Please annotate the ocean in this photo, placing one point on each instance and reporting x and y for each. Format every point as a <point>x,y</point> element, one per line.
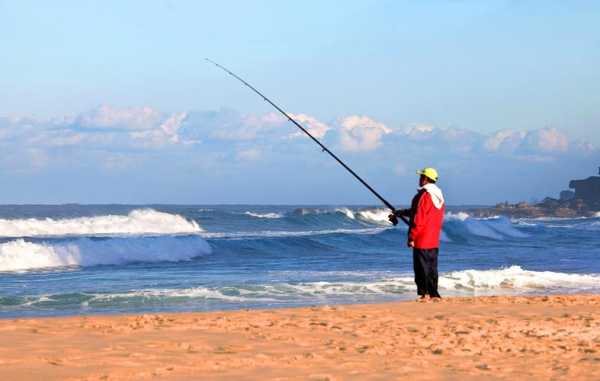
<point>105,259</point>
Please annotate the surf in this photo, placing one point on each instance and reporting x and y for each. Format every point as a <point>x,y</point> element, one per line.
<point>513,280</point>
<point>23,255</point>
<point>138,221</point>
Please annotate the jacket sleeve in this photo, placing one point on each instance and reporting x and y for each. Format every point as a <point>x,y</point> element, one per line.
<point>402,213</point>
<point>420,217</point>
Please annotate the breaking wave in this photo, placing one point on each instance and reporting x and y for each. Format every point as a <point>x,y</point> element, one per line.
<point>22,255</point>
<point>139,221</point>
<point>376,216</point>
<point>496,228</point>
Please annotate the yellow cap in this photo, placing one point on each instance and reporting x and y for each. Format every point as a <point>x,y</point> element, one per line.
<point>430,173</point>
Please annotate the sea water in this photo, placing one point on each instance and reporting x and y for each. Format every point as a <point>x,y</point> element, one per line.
<point>78,259</point>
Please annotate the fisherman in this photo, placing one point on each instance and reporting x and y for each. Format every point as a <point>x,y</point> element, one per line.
<point>426,217</point>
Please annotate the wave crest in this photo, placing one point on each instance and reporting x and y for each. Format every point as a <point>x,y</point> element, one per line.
<point>138,221</point>
<point>21,255</point>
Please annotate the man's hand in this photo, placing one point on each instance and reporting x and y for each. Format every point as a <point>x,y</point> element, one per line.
<point>393,219</point>
<point>410,243</point>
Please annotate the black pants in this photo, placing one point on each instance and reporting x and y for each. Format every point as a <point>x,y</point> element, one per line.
<point>426,274</point>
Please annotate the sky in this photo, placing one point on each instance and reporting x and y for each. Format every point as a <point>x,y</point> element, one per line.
<point>113,102</point>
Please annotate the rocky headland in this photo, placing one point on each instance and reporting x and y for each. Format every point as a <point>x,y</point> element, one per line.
<point>548,208</point>
<point>582,201</point>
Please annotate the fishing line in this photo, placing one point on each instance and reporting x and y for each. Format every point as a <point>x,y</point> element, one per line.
<point>325,149</point>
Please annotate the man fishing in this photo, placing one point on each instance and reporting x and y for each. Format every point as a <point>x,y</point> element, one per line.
<point>426,213</point>
<point>426,217</point>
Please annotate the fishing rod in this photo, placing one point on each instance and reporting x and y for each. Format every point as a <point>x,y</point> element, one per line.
<point>325,149</point>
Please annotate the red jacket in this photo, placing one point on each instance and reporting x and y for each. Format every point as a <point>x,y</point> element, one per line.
<point>425,221</point>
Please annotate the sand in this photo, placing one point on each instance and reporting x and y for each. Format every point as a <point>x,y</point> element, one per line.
<point>503,338</point>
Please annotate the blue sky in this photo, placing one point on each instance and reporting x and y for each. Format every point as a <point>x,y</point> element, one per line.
<point>110,101</point>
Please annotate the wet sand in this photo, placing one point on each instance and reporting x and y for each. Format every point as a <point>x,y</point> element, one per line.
<point>492,338</point>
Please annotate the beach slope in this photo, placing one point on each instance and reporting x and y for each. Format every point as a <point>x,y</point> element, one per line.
<point>503,338</point>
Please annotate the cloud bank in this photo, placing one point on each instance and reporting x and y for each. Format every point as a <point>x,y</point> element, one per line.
<point>225,145</point>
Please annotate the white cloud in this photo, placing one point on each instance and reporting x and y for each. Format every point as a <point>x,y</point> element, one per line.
<point>65,139</point>
<point>361,133</point>
<point>135,118</point>
<point>455,139</point>
<point>543,141</point>
<point>233,126</point>
<point>314,126</point>
<point>504,140</point>
<point>420,132</point>
<point>268,120</point>
<point>173,123</point>
<point>230,125</point>
<point>166,132</point>
<point>90,138</point>
<point>546,140</point>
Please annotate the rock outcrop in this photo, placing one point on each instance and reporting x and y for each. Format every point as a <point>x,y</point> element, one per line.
<point>584,201</point>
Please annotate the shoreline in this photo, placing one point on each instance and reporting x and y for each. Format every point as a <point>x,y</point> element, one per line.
<point>496,337</point>
<point>383,301</point>
<point>287,306</point>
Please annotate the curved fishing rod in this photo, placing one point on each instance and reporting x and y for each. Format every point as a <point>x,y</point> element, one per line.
<point>325,149</point>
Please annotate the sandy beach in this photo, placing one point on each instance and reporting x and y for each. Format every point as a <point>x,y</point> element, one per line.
<point>549,337</point>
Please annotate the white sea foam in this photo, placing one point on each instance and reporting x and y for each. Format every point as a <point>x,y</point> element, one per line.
<point>21,255</point>
<point>513,279</point>
<point>460,216</point>
<point>373,216</point>
<point>139,221</point>
<point>186,293</point>
<point>548,219</point>
<point>264,215</point>
<point>347,212</point>
<point>516,278</point>
<point>376,216</point>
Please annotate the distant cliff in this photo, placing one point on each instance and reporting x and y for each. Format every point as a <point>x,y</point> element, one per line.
<point>583,201</point>
<point>587,190</point>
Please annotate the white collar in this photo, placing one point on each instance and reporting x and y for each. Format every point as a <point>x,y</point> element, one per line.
<point>436,194</point>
